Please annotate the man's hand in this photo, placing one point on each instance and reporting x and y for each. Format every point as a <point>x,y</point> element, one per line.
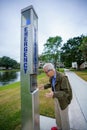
<point>41,87</point>
<point>50,94</point>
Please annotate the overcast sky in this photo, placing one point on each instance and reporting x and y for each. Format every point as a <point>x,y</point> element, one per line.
<point>65,18</point>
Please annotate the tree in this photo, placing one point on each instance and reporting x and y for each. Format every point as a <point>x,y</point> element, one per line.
<point>7,62</point>
<point>71,52</point>
<point>0,62</point>
<point>52,49</point>
<point>83,48</point>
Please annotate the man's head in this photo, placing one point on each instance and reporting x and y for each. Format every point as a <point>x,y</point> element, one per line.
<point>49,69</point>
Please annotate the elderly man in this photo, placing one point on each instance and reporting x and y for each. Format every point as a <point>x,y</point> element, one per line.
<point>62,94</point>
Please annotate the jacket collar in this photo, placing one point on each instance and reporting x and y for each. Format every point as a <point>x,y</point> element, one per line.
<point>57,76</point>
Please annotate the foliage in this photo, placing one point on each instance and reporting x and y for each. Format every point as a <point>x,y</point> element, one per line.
<point>52,49</point>
<point>7,62</point>
<point>71,52</point>
<point>74,50</point>
<point>83,48</point>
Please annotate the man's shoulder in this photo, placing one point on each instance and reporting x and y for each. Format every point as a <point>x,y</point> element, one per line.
<point>59,75</point>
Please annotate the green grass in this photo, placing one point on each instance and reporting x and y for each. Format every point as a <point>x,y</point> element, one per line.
<point>10,107</point>
<point>13,70</point>
<point>61,69</point>
<point>81,73</point>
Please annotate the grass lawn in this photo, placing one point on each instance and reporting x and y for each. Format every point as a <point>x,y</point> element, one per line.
<point>82,74</point>
<point>10,106</point>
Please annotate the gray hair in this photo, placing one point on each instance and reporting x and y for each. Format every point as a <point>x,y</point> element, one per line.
<point>49,66</point>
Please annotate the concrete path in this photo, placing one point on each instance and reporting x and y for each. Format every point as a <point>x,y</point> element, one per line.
<point>46,123</point>
<point>77,108</point>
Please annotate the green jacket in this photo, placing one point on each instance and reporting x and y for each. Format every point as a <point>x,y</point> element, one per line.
<point>63,91</point>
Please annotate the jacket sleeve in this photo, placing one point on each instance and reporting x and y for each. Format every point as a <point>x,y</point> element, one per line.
<point>47,86</point>
<point>63,92</point>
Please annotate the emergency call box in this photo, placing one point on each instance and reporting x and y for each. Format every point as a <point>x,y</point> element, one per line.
<point>33,82</point>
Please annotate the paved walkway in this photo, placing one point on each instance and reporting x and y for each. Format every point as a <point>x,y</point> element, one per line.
<point>77,108</point>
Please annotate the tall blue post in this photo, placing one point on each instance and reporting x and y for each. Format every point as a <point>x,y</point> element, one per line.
<point>29,67</point>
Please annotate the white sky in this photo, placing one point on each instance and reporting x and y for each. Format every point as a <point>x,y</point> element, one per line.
<point>65,18</point>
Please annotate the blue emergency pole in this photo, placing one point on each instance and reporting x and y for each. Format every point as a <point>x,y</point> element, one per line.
<point>29,68</point>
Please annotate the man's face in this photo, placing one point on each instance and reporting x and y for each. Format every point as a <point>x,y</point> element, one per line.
<point>49,73</point>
